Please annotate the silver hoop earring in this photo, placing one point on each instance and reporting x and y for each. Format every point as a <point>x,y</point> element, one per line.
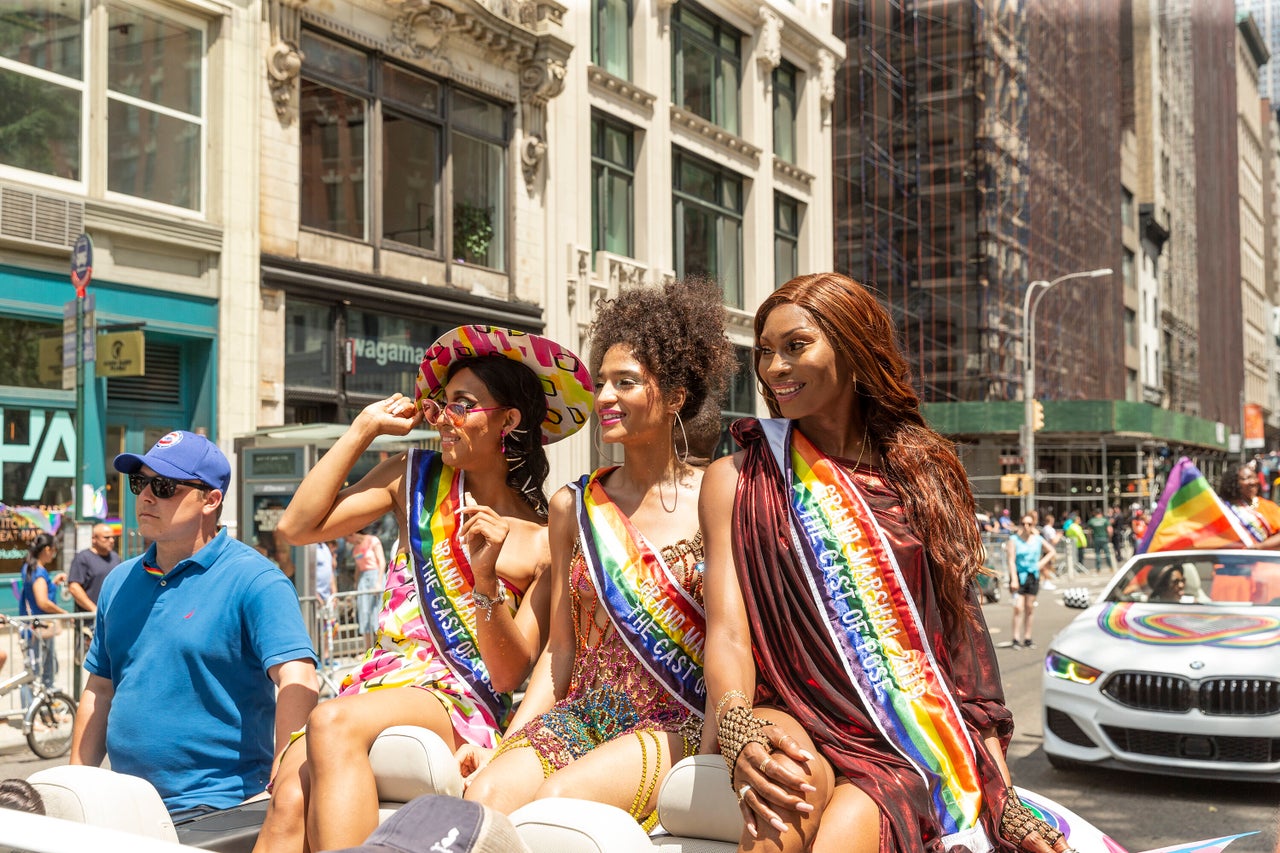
<point>599,443</point>
<point>682,458</point>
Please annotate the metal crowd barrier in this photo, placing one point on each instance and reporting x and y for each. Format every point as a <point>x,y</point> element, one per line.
<point>70,644</point>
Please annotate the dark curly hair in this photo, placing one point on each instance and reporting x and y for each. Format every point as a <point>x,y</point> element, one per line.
<point>512,384</point>
<point>677,333</point>
<point>1229,485</point>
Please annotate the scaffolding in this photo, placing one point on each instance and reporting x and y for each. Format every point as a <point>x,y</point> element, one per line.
<point>963,171</point>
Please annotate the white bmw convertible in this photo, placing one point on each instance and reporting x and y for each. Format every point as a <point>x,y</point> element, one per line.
<point>1175,669</point>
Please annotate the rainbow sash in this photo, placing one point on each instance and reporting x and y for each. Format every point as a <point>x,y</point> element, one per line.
<point>877,633</point>
<point>443,576</point>
<point>660,622</point>
<point>1252,521</point>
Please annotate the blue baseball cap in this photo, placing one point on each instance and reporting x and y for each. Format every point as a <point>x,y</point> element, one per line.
<point>181,455</point>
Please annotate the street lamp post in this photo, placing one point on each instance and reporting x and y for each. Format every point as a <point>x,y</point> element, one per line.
<point>1031,301</point>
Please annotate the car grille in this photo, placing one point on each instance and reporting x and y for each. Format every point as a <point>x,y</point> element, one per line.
<point>1150,692</point>
<point>1229,750</point>
<point>1173,694</point>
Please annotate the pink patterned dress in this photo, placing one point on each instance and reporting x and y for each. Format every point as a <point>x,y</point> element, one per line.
<point>405,655</point>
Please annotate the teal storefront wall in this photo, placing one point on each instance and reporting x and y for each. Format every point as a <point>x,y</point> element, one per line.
<point>189,323</point>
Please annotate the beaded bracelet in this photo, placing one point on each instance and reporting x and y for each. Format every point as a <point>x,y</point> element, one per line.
<point>739,728</point>
<point>732,694</point>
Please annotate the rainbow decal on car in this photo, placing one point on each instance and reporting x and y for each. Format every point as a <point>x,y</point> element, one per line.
<point>1228,630</point>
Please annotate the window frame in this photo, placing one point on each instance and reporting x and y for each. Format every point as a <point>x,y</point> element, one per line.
<point>781,235</point>
<point>680,198</point>
<point>785,67</point>
<point>378,104</point>
<point>600,124</point>
<point>680,31</point>
<point>598,22</point>
<point>201,26</point>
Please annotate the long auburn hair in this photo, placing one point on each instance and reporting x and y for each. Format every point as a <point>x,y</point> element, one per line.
<point>921,464</point>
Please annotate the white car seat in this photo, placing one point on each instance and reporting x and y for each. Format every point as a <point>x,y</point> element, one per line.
<point>409,761</point>
<point>105,799</point>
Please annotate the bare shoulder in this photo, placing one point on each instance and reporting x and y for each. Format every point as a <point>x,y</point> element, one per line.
<point>562,502</point>
<point>723,473</point>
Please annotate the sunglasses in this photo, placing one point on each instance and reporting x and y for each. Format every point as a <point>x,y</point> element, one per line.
<point>162,487</point>
<point>455,412</point>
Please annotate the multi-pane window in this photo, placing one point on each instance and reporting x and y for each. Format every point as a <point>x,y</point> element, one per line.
<point>42,86</point>
<point>708,223</point>
<point>155,107</point>
<point>151,127</point>
<point>706,59</point>
<point>613,176</point>
<point>786,239</point>
<point>426,129</point>
<point>611,36</point>
<point>785,80</point>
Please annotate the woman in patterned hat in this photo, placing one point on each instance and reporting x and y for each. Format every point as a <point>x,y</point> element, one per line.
<point>465,611</point>
<point>618,696</point>
<point>856,696</point>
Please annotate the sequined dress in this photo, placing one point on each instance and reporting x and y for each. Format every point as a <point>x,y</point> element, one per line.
<point>611,694</point>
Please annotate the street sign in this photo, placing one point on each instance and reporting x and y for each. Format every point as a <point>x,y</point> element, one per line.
<point>82,264</point>
<point>69,338</point>
<point>122,354</point>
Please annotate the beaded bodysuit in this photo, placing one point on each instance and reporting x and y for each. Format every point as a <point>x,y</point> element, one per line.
<point>611,693</point>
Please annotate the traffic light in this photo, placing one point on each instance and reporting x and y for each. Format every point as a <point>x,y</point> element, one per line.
<point>1037,421</point>
<point>1010,484</point>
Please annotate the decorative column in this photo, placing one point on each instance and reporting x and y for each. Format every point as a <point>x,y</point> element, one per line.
<point>769,50</point>
<point>541,79</point>
<point>284,56</point>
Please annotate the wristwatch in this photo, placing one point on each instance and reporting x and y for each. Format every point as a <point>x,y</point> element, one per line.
<point>485,603</point>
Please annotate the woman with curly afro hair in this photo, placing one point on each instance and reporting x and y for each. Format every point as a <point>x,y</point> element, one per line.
<point>618,696</point>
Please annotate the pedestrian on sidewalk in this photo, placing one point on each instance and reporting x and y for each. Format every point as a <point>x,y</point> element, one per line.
<point>37,599</point>
<point>1100,530</point>
<point>89,569</point>
<point>1029,555</point>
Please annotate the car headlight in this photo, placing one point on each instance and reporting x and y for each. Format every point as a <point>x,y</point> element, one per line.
<point>1060,666</point>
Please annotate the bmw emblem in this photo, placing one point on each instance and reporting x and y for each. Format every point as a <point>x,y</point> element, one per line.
<point>1197,664</point>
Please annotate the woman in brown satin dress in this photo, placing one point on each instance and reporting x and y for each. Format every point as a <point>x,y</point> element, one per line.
<point>841,554</point>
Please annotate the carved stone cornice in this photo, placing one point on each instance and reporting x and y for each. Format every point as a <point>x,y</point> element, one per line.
<point>783,169</point>
<point>602,82</point>
<point>284,56</point>
<point>715,135</point>
<point>769,49</point>
<point>509,30</point>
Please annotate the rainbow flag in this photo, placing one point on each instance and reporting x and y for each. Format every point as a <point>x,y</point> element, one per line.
<point>1190,515</point>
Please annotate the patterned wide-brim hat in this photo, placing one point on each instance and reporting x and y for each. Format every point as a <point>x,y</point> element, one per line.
<point>565,379</point>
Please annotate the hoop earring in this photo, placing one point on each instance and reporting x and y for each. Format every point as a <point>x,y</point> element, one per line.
<point>599,443</point>
<point>682,458</point>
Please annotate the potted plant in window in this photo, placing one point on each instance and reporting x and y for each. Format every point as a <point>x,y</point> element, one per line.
<point>472,233</point>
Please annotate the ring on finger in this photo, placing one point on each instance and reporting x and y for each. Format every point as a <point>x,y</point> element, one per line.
<point>742,792</point>
<point>765,764</point>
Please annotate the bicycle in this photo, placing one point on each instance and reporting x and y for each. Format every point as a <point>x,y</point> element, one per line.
<point>49,721</point>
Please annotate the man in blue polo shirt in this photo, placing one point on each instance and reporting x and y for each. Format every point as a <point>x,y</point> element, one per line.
<point>191,641</point>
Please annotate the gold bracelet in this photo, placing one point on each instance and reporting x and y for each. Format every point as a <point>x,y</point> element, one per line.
<point>732,694</point>
<point>739,728</point>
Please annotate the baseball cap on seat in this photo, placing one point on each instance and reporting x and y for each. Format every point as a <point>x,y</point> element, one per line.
<point>181,455</point>
<point>437,822</point>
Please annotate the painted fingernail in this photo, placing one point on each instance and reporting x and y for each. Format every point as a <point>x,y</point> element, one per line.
<point>804,786</point>
<point>776,823</point>
<point>804,753</point>
<point>802,806</point>
<point>751,827</point>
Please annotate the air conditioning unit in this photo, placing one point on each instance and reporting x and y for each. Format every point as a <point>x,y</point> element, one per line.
<point>39,219</point>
